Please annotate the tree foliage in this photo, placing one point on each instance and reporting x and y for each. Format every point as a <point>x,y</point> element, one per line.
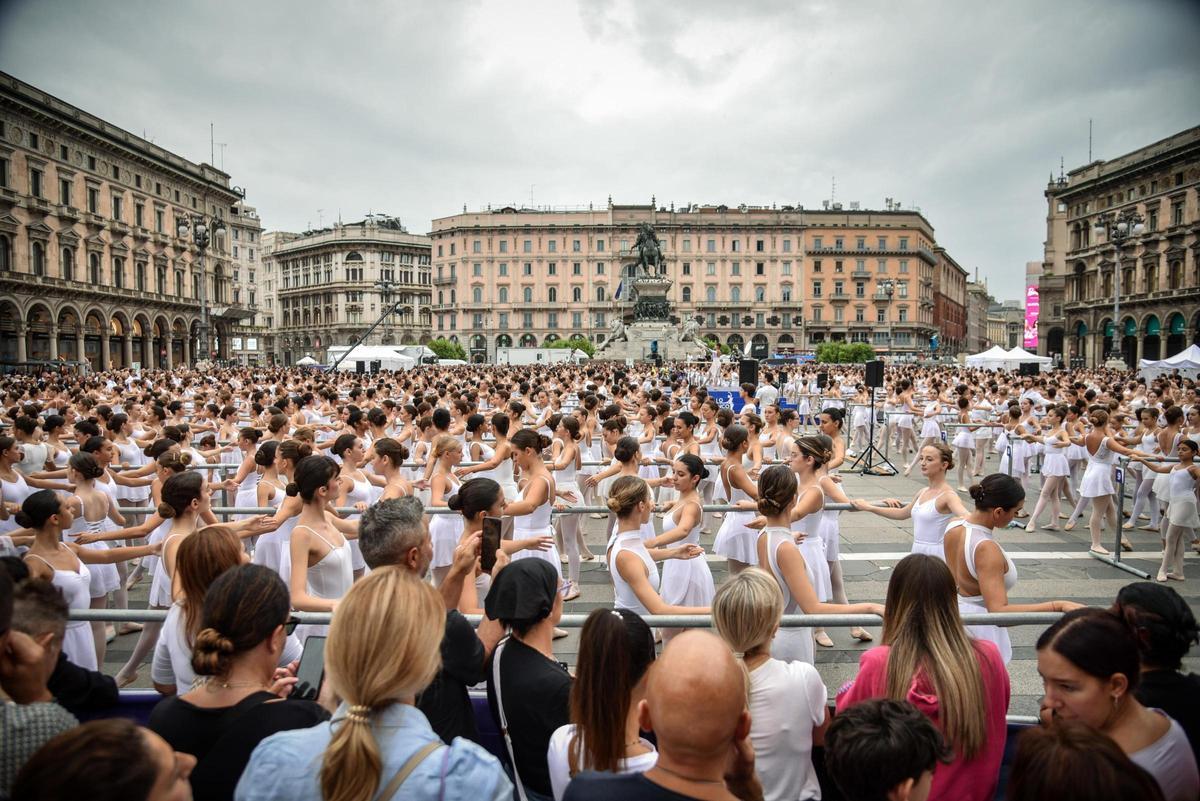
<point>576,342</point>
<point>844,352</point>
<point>713,343</point>
<point>445,349</point>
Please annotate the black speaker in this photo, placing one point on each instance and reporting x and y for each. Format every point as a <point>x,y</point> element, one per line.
<point>822,380</point>
<point>360,367</point>
<point>1029,368</point>
<point>748,371</point>
<point>874,374</point>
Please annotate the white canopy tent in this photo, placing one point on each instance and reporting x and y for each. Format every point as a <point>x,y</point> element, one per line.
<point>378,357</point>
<point>995,358</point>
<point>1187,362</point>
<point>1020,355</point>
<point>307,361</point>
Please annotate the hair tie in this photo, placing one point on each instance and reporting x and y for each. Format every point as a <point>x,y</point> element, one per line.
<point>739,655</point>
<point>358,713</point>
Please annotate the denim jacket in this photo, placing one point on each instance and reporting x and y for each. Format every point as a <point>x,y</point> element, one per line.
<point>287,766</point>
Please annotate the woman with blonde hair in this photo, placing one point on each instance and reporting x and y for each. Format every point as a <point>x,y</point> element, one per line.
<point>928,659</point>
<point>445,529</point>
<point>786,699</point>
<point>378,744</point>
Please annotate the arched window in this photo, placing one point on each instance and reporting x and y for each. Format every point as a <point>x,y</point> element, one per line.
<point>139,276</point>
<point>68,264</point>
<point>503,294</point>
<point>118,267</point>
<point>477,295</point>
<point>735,293</point>
<point>576,294</point>
<point>760,293</point>
<point>441,300</point>
<point>160,283</point>
<point>710,294</point>
<point>600,293</point>
<point>552,295</point>
<point>687,294</point>
<point>94,269</point>
<point>37,260</point>
<point>527,294</point>
<point>453,293</point>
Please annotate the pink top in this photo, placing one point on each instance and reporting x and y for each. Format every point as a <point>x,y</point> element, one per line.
<point>963,779</point>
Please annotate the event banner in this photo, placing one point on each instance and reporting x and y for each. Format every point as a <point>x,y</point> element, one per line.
<point>1032,305</point>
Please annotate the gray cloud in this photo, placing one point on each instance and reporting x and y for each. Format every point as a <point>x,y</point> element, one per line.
<point>962,108</point>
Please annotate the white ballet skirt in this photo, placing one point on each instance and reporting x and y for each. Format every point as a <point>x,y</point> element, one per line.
<point>445,530</point>
<point>790,644</point>
<point>78,643</point>
<point>929,528</point>
<point>930,428</point>
<point>1098,477</point>
<point>974,605</point>
<point>860,417</point>
<point>1181,508</point>
<point>1054,459</point>
<point>963,439</point>
<point>816,558</point>
<point>536,524</point>
<point>247,493</point>
<point>686,582</point>
<point>273,550</point>
<point>104,577</point>
<point>734,540</point>
<point>362,494</point>
<point>1161,485</point>
<point>153,562</point>
<point>831,534</point>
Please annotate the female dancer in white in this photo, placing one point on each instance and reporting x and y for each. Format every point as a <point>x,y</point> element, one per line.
<point>1183,480</point>
<point>567,459</point>
<point>532,511</point>
<point>1055,469</point>
<point>685,582</point>
<point>631,564</point>
<point>389,456</point>
<point>319,553</point>
<point>1097,484</point>
<point>66,566</point>
<point>779,554</point>
<point>984,573</point>
<point>981,412</point>
<point>931,429</point>
<point>355,489</point>
<point>735,541</point>
<point>931,509</point>
<point>500,465</point>
<point>1145,439</point>
<point>964,441</point>
<point>444,529</point>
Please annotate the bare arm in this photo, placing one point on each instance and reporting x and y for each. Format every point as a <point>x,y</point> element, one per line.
<point>301,599</point>
<point>633,570</point>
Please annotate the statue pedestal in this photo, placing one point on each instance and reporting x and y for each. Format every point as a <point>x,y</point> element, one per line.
<point>651,330</point>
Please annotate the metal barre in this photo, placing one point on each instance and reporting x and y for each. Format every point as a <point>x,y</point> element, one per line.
<point>573,621</point>
<point>445,510</point>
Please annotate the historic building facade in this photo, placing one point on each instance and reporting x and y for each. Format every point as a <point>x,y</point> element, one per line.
<point>949,304</point>
<point>978,303</point>
<point>91,265</point>
<point>762,280</point>
<point>251,335</point>
<point>331,285</point>
<point>1154,277</point>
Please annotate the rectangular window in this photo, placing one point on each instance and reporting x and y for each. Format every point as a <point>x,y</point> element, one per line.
<point>882,243</point>
<point>599,268</point>
<point>735,268</point>
<point>787,268</point>
<point>904,265</point>
<point>787,246</point>
<point>860,315</point>
<point>816,289</point>
<point>687,268</point>
<point>158,220</point>
<point>786,297</point>
<point>817,266</point>
<point>881,315</point>
<point>759,246</point>
<point>503,269</point>
<point>64,192</point>
<point>576,246</point>
<point>860,265</point>
<point>139,215</point>
<point>881,266</point>
<point>816,314</point>
<point>504,319</point>
<point>33,141</point>
<point>711,247</point>
<point>477,269</point>
<point>116,207</point>
<point>527,268</point>
<point>817,243</point>
<point>527,246</point>
<point>903,314</point>
<point>4,173</point>
<point>839,288</point>
<point>904,243</point>
<point>35,182</point>
<point>860,243</point>
<point>838,314</point>
<point>93,200</point>
<point>860,289</point>
<point>527,319</point>
<point>687,245</point>
<point>760,268</point>
<point>710,268</point>
<point>600,245</point>
<point>552,319</point>
<point>476,246</point>
<point>503,246</point>
<point>576,268</point>
<point>1176,213</point>
<point>838,242</point>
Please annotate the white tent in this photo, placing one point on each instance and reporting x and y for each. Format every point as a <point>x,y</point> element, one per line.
<point>381,357</point>
<point>307,361</point>
<point>1020,356</point>
<point>1187,362</point>
<point>995,358</point>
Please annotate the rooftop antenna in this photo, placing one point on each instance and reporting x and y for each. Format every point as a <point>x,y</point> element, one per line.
<point>1089,140</point>
<point>833,190</point>
<point>222,146</point>
<point>320,218</point>
<point>212,150</point>
<point>531,195</point>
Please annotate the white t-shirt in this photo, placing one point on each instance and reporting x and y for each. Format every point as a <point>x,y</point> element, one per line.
<point>556,760</point>
<point>173,655</point>
<point>1172,764</point>
<point>766,394</point>
<point>787,700</point>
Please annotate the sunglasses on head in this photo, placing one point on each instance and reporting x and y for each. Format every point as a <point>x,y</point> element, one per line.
<point>289,625</point>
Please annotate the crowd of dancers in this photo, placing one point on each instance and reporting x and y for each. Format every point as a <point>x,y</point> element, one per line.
<point>298,457</point>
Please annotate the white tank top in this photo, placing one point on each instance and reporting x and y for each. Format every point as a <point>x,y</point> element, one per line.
<point>623,594</point>
<point>929,525</point>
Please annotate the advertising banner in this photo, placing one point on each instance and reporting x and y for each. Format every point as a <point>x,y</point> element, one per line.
<point>1032,306</point>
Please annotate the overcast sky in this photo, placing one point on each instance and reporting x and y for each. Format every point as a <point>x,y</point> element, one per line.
<point>415,108</point>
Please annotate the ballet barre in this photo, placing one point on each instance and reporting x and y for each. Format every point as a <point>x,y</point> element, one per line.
<point>445,510</point>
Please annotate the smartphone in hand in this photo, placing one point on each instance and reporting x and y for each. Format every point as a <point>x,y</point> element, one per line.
<point>310,673</point>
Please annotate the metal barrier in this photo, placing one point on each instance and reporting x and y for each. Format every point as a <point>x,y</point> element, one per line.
<point>1114,559</point>
<point>574,621</point>
<point>443,510</point>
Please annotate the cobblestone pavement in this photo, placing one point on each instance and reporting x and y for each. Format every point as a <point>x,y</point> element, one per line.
<point>1051,564</point>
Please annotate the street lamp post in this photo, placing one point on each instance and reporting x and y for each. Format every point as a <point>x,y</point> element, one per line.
<point>202,231</point>
<point>1118,228</point>
<point>889,288</point>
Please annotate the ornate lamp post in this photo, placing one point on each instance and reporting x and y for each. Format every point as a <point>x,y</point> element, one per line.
<point>1117,229</point>
<point>889,288</point>
<point>200,229</point>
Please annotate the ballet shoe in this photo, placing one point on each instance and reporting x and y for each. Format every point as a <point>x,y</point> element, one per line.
<point>1065,515</point>
<point>1128,525</point>
<point>572,592</point>
<point>1051,527</point>
<point>1070,526</point>
<point>1126,545</point>
<point>125,681</point>
<point>822,639</point>
<point>1162,576</point>
<point>862,635</point>
<point>1029,527</point>
<point>1100,549</point>
<point>129,628</point>
<point>1147,528</point>
<point>961,488</point>
<point>559,633</point>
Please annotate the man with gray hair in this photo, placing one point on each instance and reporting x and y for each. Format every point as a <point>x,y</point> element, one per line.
<point>395,532</point>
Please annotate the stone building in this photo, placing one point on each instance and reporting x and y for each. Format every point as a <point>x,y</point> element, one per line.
<point>251,337</point>
<point>950,304</point>
<point>1006,324</point>
<point>1157,274</point>
<point>332,284</point>
<point>978,303</point>
<point>91,266</point>
<point>763,280</point>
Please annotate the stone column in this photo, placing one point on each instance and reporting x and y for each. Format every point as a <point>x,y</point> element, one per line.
<point>53,341</point>
<point>170,352</point>
<point>22,343</point>
<point>105,353</point>
<point>80,347</point>
<point>127,349</point>
<point>187,349</point>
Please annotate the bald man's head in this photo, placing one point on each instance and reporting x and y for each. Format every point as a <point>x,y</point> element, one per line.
<point>696,697</point>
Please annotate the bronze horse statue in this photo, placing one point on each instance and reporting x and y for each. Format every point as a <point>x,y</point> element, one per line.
<point>650,257</point>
